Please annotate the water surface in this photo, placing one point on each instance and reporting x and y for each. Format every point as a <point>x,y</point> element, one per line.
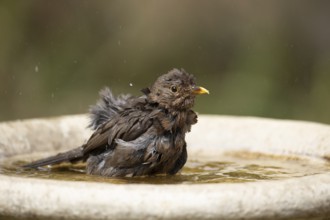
<point>226,169</point>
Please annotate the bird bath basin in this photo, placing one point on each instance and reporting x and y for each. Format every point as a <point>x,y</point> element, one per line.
<point>238,168</point>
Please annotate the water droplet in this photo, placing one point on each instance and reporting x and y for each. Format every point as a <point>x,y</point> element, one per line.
<point>36,69</point>
<point>131,84</point>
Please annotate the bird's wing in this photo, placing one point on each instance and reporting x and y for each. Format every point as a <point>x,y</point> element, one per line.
<point>107,107</point>
<point>127,126</point>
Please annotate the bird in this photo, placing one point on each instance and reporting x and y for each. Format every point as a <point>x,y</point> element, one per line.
<point>138,136</point>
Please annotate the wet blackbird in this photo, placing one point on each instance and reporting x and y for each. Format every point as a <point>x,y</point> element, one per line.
<point>137,136</point>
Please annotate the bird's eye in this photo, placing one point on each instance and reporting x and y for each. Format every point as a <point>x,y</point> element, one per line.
<point>174,89</point>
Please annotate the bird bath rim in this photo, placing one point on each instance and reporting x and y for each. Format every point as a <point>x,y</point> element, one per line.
<point>296,197</point>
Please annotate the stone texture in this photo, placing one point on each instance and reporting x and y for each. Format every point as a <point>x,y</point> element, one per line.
<point>306,197</point>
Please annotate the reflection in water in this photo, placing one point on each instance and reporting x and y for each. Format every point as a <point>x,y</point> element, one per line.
<point>229,170</point>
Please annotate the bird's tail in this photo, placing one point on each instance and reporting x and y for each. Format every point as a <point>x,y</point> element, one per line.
<point>69,156</point>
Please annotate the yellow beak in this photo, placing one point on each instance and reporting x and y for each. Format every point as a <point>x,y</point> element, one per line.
<point>198,90</point>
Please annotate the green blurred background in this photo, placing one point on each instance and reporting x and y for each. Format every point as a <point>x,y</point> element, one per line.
<point>258,58</point>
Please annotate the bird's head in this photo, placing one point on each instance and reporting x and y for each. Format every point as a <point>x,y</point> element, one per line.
<point>175,90</point>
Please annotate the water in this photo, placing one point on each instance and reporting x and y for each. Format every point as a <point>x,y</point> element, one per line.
<point>226,169</point>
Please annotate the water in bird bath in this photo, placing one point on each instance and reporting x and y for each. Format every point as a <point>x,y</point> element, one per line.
<point>234,168</point>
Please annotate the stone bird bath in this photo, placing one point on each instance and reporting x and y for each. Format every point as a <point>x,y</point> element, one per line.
<point>304,197</point>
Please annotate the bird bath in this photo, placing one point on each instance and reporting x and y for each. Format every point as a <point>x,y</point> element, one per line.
<point>250,168</point>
